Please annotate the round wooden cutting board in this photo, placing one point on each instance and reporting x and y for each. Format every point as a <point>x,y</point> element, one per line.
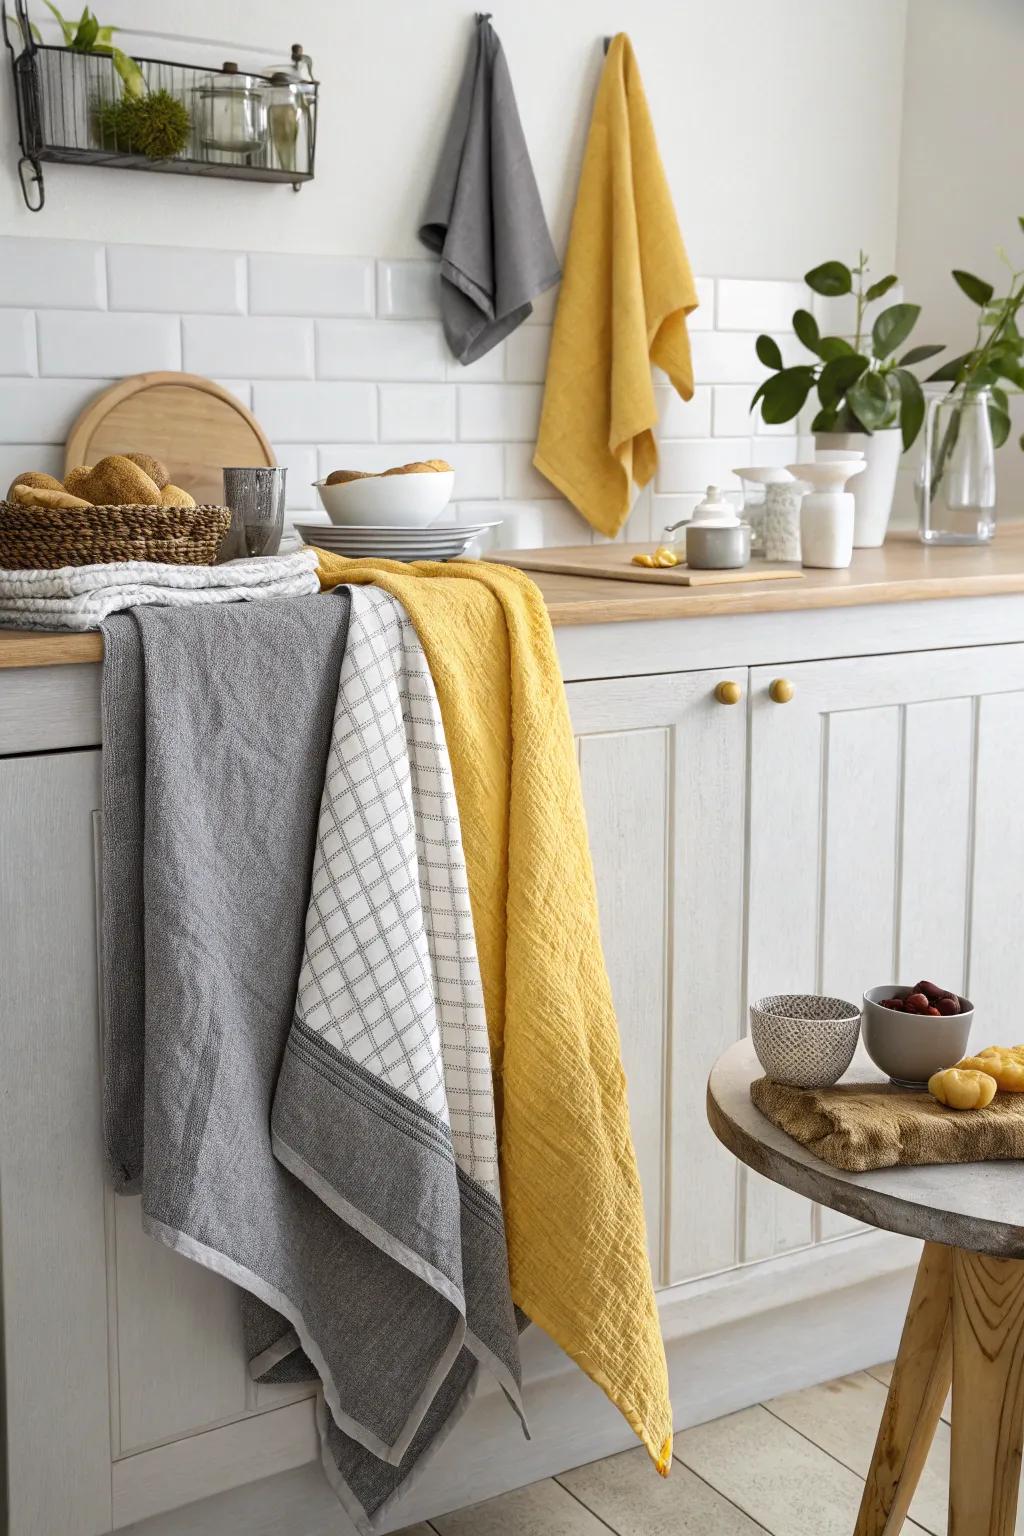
<point>191,424</point>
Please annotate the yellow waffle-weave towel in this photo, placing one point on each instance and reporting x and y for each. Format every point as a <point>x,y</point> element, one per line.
<point>626,291</point>
<point>569,1185</point>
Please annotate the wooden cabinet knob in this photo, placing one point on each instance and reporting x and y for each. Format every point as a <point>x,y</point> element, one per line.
<point>780,690</point>
<point>728,693</point>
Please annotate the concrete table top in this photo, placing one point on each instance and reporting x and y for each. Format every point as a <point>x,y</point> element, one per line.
<point>977,1206</point>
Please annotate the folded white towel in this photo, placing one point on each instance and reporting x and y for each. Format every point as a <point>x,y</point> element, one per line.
<point>81,596</point>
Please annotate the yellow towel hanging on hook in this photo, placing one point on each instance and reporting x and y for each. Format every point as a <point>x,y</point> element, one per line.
<point>625,295</point>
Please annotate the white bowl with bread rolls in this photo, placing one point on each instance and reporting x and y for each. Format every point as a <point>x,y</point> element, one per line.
<point>407,496</point>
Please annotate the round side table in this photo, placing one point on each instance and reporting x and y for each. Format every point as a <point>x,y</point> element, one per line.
<point>965,1321</point>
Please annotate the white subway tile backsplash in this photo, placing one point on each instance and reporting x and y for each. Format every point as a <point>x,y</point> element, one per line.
<point>402,350</point>
<point>300,460</point>
<point>417,410</point>
<point>300,412</point>
<point>489,369</point>
<point>691,466</point>
<point>250,347</point>
<point>725,357</point>
<point>169,279</point>
<point>52,274</point>
<point>522,481</point>
<point>732,413</point>
<point>683,418</point>
<point>408,290</point>
<point>703,317</point>
<point>16,458</point>
<point>752,304</point>
<point>17,343</point>
<point>76,344</point>
<point>242,390</point>
<point>499,412</point>
<point>310,285</point>
<point>42,410</point>
<point>344,363</point>
<point>526,354</point>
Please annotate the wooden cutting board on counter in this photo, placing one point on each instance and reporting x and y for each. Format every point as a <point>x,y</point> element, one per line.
<point>194,426</point>
<point>614,561</point>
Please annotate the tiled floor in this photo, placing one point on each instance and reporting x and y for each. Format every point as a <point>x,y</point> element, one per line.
<point>791,1467</point>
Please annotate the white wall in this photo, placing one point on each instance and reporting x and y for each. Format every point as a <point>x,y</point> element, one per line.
<point>749,99</point>
<point>752,104</point>
<point>962,172</point>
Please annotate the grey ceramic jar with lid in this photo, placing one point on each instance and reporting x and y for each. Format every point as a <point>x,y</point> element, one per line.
<point>716,539</point>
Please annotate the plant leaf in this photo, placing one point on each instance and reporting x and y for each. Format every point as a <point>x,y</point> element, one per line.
<point>921,354</point>
<point>86,35</point>
<point>832,279</point>
<point>869,401</point>
<point>785,393</point>
<point>883,285</point>
<point>977,290</point>
<point>912,404</point>
<point>950,371</point>
<point>837,376</point>
<point>999,421</point>
<point>767,349</point>
<point>131,74</point>
<point>834,346</point>
<point>892,327</point>
<point>806,328</point>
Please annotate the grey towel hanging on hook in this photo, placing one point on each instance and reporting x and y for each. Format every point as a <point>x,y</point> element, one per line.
<point>483,215</point>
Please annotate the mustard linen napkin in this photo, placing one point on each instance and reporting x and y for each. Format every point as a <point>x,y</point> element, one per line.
<point>570,1191</point>
<point>861,1126</point>
<point>625,295</point>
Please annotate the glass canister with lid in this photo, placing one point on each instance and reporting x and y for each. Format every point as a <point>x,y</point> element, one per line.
<point>232,111</point>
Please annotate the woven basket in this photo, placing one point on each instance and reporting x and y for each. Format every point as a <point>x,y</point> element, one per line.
<point>47,538</point>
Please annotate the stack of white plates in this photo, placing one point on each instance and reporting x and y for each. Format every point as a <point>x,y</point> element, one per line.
<point>443,541</point>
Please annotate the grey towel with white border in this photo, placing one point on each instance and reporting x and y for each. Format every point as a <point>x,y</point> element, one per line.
<point>483,215</point>
<point>297,1072</point>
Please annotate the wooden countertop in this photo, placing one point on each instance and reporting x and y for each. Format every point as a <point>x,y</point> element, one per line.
<point>902,571</point>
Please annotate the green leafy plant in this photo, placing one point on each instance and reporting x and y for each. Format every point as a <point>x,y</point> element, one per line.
<point>862,385</point>
<point>87,36</point>
<point>156,125</point>
<point>997,358</point>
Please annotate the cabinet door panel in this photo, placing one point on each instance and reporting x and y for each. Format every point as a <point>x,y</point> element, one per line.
<point>56,1406</point>
<point>663,772</point>
<point>881,844</point>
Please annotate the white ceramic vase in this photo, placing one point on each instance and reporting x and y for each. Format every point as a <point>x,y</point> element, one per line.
<point>874,491</point>
<point>827,512</point>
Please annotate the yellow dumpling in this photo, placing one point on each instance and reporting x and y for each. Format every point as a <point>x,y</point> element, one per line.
<point>962,1088</point>
<point>1004,1064</point>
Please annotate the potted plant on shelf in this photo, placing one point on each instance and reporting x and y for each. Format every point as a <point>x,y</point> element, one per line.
<point>966,424</point>
<point>869,400</point>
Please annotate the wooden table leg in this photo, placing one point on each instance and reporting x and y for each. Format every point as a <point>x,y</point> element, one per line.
<point>988,1394</point>
<point>920,1381</point>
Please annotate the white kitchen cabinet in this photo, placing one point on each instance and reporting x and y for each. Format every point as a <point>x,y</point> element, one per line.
<point>885,845</point>
<point>861,832</point>
<point>663,766</point>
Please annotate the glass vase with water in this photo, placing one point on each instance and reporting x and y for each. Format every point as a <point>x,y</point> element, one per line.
<point>956,484</point>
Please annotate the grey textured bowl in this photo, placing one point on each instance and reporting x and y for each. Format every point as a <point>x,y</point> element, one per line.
<point>802,1040</point>
<point>909,1047</point>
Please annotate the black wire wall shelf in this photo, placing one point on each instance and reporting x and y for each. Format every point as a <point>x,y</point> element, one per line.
<point>63,99</point>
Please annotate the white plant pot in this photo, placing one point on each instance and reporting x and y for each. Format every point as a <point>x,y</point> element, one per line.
<point>873,491</point>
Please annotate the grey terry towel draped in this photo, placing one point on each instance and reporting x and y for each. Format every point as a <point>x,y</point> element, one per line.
<point>483,215</point>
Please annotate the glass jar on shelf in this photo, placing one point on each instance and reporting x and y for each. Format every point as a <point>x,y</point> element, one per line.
<point>232,112</point>
<point>288,117</point>
<point>956,482</point>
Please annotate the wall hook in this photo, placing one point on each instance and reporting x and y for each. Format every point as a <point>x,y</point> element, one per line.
<point>607,44</point>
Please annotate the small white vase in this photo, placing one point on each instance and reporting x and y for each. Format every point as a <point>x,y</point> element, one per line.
<point>827,513</point>
<point>873,494</point>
